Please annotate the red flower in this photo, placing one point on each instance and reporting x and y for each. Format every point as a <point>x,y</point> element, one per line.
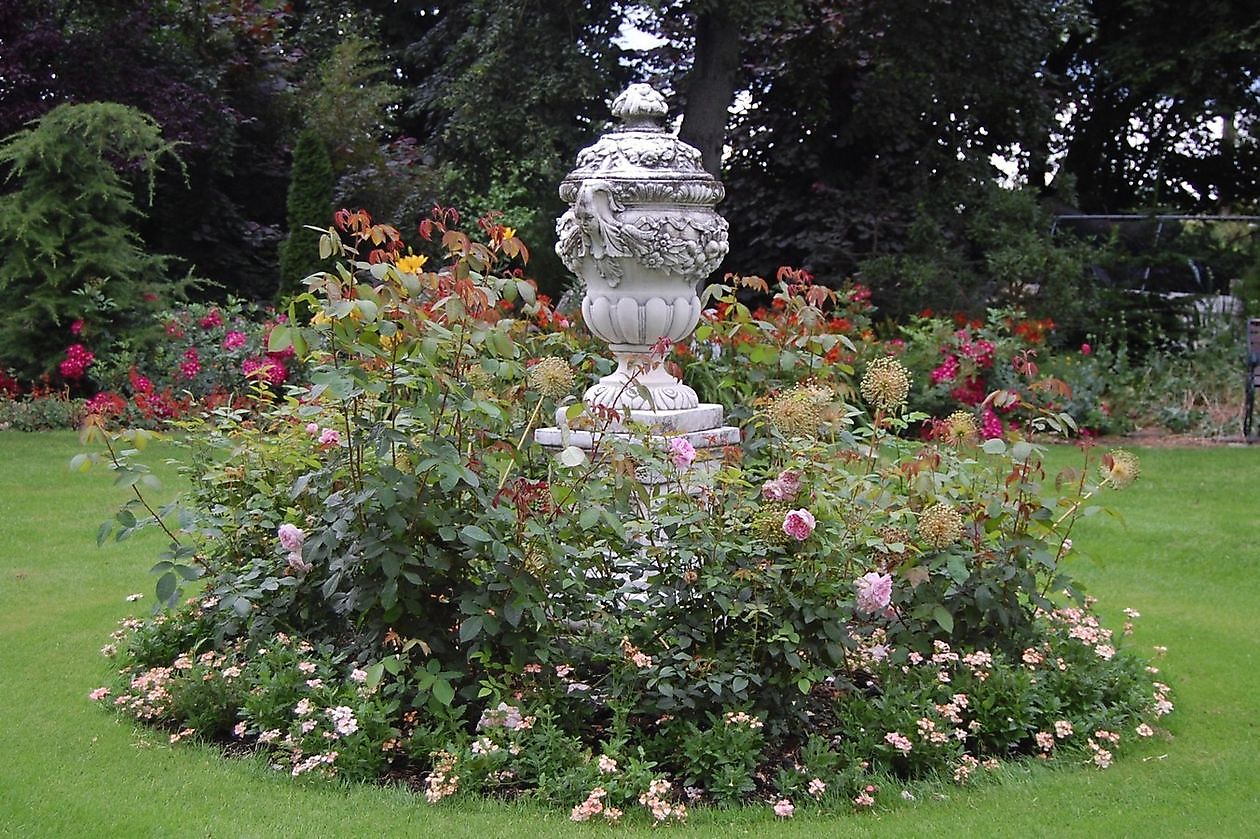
<point>78,359</point>
<point>106,403</point>
<point>139,384</point>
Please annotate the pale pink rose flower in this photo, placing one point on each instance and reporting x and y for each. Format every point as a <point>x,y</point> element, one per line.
<point>98,694</point>
<point>799,524</point>
<point>874,591</point>
<point>291,537</point>
<point>312,428</point>
<point>790,481</point>
<point>783,488</point>
<point>681,452</point>
<point>784,809</point>
<point>329,438</point>
<point>299,565</point>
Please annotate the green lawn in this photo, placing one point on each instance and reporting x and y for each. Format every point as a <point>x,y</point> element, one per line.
<point>1187,555</point>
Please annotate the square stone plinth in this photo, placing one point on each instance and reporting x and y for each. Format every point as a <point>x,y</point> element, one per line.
<point>702,426</point>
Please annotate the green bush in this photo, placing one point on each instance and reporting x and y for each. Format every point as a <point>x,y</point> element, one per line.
<point>41,413</point>
<point>67,239</point>
<point>634,626</point>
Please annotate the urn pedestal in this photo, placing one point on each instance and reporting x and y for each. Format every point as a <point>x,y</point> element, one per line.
<point>641,233</point>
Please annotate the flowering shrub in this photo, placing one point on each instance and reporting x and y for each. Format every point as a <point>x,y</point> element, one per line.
<point>630,630</point>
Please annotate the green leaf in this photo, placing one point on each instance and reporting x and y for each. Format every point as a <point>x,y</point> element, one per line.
<point>571,456</point>
<point>943,617</point>
<point>995,446</point>
<point>374,675</point>
<point>470,533</point>
<point>588,517</point>
<point>470,628</point>
<point>279,338</point>
<point>443,692</point>
<point>167,585</point>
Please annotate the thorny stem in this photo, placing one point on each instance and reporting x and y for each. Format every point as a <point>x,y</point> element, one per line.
<point>113,456</point>
<point>507,469</point>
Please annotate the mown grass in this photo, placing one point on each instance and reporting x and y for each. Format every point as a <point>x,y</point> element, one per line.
<point>1187,555</point>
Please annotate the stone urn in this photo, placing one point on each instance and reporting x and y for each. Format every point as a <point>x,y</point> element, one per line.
<point>641,233</point>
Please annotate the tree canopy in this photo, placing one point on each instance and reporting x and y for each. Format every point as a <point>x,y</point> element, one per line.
<point>844,129</point>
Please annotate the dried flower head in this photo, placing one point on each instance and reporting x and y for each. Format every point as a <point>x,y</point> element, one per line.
<point>960,429</point>
<point>798,412</point>
<point>892,535</point>
<point>1120,468</point>
<point>477,377</point>
<point>551,376</point>
<point>886,383</point>
<point>940,526</point>
<point>767,524</point>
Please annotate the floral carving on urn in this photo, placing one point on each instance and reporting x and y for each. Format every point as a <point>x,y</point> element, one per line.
<point>641,233</point>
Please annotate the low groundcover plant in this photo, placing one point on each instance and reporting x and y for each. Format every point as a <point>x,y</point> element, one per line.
<point>393,583</point>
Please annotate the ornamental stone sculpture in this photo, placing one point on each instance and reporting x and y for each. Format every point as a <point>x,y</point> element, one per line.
<point>641,233</point>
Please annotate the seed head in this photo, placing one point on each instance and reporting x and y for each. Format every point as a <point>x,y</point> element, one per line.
<point>767,524</point>
<point>886,383</point>
<point>551,376</point>
<point>1120,468</point>
<point>959,429</point>
<point>798,412</point>
<point>940,526</point>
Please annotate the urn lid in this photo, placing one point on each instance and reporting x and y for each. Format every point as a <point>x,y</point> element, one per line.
<point>641,152</point>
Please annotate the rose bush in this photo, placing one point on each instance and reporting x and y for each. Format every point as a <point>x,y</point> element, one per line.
<point>632,629</point>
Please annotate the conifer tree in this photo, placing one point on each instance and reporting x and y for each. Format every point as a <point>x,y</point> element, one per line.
<point>68,245</point>
<point>310,202</point>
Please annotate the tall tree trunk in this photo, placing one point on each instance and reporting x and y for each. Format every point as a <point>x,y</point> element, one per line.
<point>711,84</point>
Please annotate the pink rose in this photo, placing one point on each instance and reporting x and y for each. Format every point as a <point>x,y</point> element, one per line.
<point>312,428</point>
<point>291,537</point>
<point>784,809</point>
<point>874,592</point>
<point>1086,349</point>
<point>783,488</point>
<point>681,452</point>
<point>329,437</point>
<point>799,524</point>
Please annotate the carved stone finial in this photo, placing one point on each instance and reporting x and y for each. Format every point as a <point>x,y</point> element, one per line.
<point>640,106</point>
